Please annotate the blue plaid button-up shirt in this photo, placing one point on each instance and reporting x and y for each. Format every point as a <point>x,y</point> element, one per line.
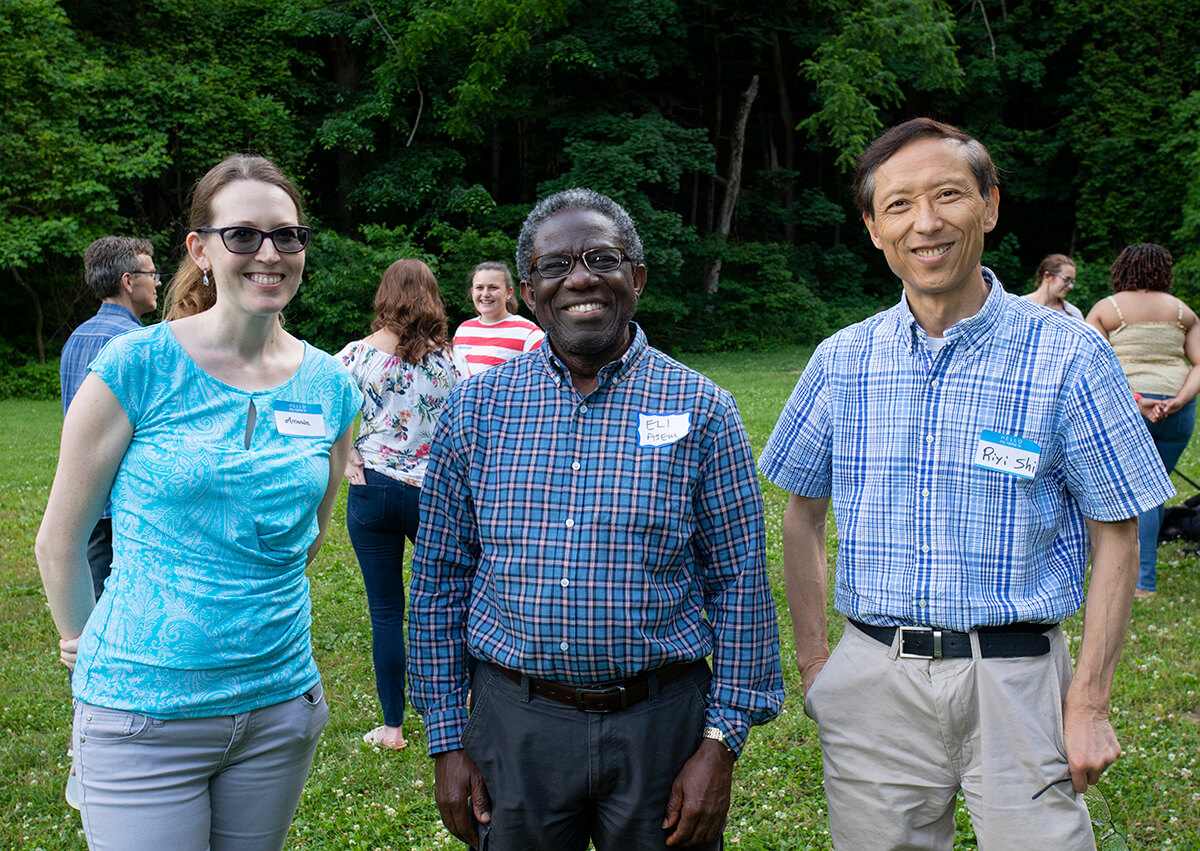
<point>588,539</point>
<point>84,344</point>
<point>892,433</point>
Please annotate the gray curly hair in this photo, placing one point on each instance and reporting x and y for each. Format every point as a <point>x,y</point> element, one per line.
<point>577,199</point>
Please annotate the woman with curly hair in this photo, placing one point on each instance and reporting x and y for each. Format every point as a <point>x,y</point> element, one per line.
<point>405,369</point>
<point>1157,339</point>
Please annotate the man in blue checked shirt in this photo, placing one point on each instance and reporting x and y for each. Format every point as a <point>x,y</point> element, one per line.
<point>976,447</point>
<point>591,530</point>
<point>120,271</point>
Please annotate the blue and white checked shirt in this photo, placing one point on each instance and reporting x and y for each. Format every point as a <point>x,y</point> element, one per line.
<point>891,433</point>
<point>84,344</point>
<point>583,540</point>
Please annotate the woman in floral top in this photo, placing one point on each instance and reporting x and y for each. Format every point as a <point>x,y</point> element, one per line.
<point>405,370</point>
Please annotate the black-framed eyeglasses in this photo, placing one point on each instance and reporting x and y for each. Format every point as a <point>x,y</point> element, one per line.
<point>1100,814</point>
<point>240,239</point>
<point>1070,282</point>
<point>153,273</point>
<point>598,260</point>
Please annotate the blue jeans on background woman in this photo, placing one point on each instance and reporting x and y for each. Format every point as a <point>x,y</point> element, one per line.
<point>1171,436</point>
<point>379,516</point>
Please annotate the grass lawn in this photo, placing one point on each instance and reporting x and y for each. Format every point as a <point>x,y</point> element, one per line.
<point>356,798</point>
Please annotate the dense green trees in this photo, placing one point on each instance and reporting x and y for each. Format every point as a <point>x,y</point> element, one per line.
<point>428,128</point>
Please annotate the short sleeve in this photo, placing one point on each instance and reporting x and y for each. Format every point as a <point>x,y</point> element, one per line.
<point>122,365</point>
<point>1111,465</point>
<point>798,456</point>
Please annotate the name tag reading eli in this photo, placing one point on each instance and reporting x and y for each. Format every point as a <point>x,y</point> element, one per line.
<point>296,419</point>
<point>663,429</point>
<point>1007,454</point>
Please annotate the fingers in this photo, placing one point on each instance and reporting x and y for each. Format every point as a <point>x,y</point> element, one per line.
<point>481,801</point>
<point>68,649</point>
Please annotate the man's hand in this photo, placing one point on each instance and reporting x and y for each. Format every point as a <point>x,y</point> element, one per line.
<point>1090,741</point>
<point>461,796</point>
<point>810,668</point>
<point>699,799</point>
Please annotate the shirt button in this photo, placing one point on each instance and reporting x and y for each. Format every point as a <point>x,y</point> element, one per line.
<point>934,383</point>
<point>563,646</point>
<point>929,438</point>
<point>564,582</point>
<point>583,409</point>
<point>570,523</point>
<point>925,492</point>
<point>574,465</point>
<point>925,548</point>
<point>921,604</point>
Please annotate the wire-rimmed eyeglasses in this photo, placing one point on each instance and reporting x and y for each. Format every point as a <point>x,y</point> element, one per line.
<point>1101,815</point>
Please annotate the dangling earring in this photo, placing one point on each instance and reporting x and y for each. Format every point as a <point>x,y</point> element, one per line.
<point>207,282</point>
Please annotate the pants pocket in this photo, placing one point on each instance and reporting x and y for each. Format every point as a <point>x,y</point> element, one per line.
<point>366,505</point>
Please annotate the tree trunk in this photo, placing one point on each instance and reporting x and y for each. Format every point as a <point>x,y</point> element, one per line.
<point>789,135</point>
<point>733,180</point>
<point>38,318</point>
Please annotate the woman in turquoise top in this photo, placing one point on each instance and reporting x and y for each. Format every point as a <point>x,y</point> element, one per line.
<point>223,439</point>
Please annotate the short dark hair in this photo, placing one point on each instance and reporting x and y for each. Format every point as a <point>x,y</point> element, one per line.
<point>890,143</point>
<point>577,199</point>
<point>110,257</point>
<point>1142,266</point>
<point>1050,264</point>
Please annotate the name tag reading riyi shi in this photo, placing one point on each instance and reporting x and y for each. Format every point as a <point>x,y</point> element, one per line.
<point>296,419</point>
<point>663,429</point>
<point>1007,454</point>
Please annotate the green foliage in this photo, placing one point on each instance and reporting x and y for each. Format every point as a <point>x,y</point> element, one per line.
<point>878,48</point>
<point>31,380</point>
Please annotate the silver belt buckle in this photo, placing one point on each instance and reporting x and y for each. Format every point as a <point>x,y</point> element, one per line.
<point>937,642</point>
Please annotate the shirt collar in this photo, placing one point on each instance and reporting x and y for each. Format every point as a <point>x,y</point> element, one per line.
<point>969,330</point>
<point>612,372</point>
<point>113,307</point>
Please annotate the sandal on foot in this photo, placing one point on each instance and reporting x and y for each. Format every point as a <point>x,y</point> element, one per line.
<point>374,738</point>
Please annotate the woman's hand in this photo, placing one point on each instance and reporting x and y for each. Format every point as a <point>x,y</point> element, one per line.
<point>1165,407</point>
<point>1148,407</point>
<point>354,467</point>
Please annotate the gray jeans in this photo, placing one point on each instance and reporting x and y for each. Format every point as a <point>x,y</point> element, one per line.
<point>229,783</point>
<point>558,776</point>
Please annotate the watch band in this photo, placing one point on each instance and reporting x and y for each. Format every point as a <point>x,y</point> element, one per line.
<point>716,735</point>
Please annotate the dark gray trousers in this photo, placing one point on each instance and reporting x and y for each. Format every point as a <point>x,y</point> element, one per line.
<point>559,777</point>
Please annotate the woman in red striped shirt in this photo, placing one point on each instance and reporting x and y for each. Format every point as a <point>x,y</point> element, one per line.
<point>498,333</point>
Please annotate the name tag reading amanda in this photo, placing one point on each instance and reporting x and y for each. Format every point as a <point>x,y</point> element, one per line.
<point>663,429</point>
<point>1007,454</point>
<point>296,419</point>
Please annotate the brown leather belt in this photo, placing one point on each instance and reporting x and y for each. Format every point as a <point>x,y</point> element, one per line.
<point>995,642</point>
<point>606,698</point>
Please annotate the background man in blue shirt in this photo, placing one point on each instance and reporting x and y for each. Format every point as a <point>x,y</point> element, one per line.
<point>121,272</point>
<point>591,530</point>
<point>974,446</point>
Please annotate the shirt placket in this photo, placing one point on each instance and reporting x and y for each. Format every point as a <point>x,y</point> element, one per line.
<point>580,482</point>
<point>928,388</point>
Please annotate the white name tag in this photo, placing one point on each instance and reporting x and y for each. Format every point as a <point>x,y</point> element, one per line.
<point>663,429</point>
<point>296,419</point>
<point>1007,454</point>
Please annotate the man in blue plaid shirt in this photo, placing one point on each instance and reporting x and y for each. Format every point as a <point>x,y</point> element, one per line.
<point>591,530</point>
<point>975,447</point>
<point>120,271</point>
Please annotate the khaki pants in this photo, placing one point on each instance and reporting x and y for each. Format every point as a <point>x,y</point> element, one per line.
<point>900,737</point>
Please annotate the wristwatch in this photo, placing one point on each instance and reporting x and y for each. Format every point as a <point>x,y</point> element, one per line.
<point>716,735</point>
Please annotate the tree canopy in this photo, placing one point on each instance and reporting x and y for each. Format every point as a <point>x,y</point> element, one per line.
<point>428,128</point>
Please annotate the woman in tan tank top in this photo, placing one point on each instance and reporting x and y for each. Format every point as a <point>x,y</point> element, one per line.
<point>1156,337</point>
